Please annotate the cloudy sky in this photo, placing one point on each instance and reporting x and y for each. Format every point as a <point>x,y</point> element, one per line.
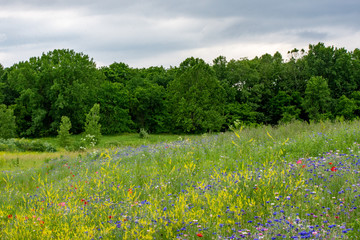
<point>145,33</point>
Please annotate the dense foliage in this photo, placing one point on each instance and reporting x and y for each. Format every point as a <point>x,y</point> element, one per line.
<point>320,83</point>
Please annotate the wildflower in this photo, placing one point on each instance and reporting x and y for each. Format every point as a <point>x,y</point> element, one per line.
<point>10,216</point>
<point>199,235</point>
<point>330,163</point>
<point>299,162</point>
<point>62,204</point>
<point>110,217</point>
<point>303,166</point>
<point>334,169</point>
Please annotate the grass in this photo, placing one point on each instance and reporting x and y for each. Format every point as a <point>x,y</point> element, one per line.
<point>24,160</point>
<point>123,140</point>
<point>290,182</point>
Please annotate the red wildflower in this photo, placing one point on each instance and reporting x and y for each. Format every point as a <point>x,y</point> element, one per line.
<point>330,163</point>
<point>85,202</point>
<point>303,166</point>
<point>10,216</point>
<point>334,169</point>
<point>110,217</point>
<point>130,191</point>
<point>199,235</point>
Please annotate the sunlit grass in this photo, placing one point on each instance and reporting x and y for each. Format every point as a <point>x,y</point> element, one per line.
<point>25,160</point>
<point>123,140</point>
<point>295,181</point>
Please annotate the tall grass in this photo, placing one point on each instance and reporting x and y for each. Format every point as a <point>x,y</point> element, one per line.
<point>293,181</point>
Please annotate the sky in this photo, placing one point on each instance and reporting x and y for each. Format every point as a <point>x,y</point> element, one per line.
<point>144,33</point>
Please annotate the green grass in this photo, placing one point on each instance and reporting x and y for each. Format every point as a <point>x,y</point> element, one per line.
<point>257,183</point>
<point>25,160</point>
<point>123,140</point>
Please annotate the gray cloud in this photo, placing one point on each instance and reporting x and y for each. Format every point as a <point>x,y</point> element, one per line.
<point>159,32</point>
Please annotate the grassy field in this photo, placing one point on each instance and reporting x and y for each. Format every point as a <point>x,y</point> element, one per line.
<point>124,140</point>
<point>291,182</point>
<point>24,160</point>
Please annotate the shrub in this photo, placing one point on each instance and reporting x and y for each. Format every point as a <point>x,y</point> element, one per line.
<point>143,133</point>
<point>64,134</point>
<point>23,145</point>
<point>92,125</point>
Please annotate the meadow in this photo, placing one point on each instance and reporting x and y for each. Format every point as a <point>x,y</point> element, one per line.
<point>16,159</point>
<point>294,181</point>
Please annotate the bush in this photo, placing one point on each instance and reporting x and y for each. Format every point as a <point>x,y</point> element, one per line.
<point>143,133</point>
<point>92,125</point>
<point>86,142</point>
<point>64,135</point>
<point>23,145</point>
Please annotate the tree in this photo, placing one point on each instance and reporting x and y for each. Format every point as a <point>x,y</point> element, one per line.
<point>244,78</point>
<point>148,107</point>
<point>196,98</point>
<point>345,107</point>
<point>115,117</point>
<point>92,125</point>
<point>334,65</point>
<point>7,122</point>
<point>2,85</point>
<point>240,112</point>
<point>278,105</point>
<point>45,88</point>
<point>63,132</point>
<point>118,72</point>
<point>317,98</point>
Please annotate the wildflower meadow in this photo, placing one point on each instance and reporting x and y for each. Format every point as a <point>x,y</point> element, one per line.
<point>295,181</point>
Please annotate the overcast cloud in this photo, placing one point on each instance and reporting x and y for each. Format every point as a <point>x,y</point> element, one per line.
<point>145,33</point>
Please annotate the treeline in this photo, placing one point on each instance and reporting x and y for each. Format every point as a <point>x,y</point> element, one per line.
<point>320,83</point>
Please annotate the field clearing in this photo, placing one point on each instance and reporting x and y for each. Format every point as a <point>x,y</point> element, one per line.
<point>24,160</point>
<point>291,182</point>
<point>124,140</point>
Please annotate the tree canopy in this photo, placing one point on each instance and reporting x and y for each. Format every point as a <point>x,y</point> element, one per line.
<point>194,97</point>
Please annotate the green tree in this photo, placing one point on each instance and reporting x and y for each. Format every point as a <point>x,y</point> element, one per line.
<point>196,98</point>
<point>148,105</point>
<point>64,132</point>
<point>345,107</point>
<point>2,85</point>
<point>45,88</point>
<point>240,112</point>
<point>243,76</point>
<point>334,65</point>
<point>92,125</point>
<point>118,72</point>
<point>317,98</point>
<point>278,105</point>
<point>115,117</point>
<point>7,122</point>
